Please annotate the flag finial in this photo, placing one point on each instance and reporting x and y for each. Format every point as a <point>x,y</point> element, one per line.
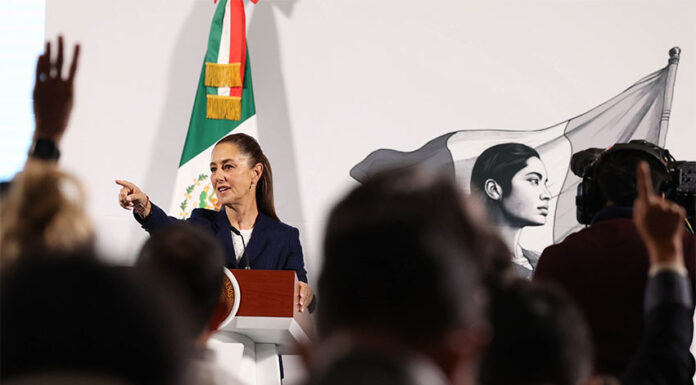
<point>674,55</point>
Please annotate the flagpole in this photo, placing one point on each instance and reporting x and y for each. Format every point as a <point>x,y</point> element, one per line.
<point>669,91</point>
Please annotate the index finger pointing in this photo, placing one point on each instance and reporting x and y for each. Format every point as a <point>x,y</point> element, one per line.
<point>125,183</point>
<point>644,183</point>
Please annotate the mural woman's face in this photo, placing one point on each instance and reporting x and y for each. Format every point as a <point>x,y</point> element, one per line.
<point>527,204</point>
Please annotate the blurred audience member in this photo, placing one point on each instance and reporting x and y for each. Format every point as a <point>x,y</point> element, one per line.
<point>192,262</point>
<point>540,337</point>
<point>74,320</point>
<point>604,267</point>
<point>401,276</point>
<point>44,209</point>
<point>43,213</point>
<point>663,356</point>
<point>369,367</point>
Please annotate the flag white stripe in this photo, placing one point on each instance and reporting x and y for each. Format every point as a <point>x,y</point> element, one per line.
<point>224,50</point>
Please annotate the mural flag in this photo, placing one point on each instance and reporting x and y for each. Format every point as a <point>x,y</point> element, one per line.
<point>639,112</point>
<point>224,102</point>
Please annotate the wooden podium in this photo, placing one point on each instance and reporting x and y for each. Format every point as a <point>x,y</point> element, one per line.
<point>268,312</point>
<point>258,310</point>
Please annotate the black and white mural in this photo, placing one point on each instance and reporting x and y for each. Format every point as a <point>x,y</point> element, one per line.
<point>523,177</point>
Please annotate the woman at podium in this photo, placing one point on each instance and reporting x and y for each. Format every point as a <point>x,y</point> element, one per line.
<point>247,224</point>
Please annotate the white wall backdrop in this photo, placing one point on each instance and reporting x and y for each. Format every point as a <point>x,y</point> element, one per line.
<point>337,79</point>
<point>21,42</point>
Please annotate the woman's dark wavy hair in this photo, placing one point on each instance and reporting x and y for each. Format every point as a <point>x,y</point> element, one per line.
<point>264,189</point>
<point>500,162</point>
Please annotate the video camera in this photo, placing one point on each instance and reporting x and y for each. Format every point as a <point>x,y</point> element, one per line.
<point>680,186</point>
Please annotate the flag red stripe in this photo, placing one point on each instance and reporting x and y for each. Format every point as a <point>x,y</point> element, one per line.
<point>237,39</point>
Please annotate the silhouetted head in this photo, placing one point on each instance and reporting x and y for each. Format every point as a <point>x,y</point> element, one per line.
<point>616,176</point>
<point>72,315</point>
<point>369,367</point>
<point>403,258</point>
<point>539,337</point>
<point>43,213</point>
<point>192,261</point>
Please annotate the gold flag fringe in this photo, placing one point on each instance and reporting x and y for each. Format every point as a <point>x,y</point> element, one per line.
<point>223,75</point>
<point>223,107</point>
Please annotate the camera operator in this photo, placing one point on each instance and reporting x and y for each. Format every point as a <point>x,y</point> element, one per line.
<point>604,266</point>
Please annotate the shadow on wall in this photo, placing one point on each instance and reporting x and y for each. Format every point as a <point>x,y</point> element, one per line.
<point>275,130</point>
<point>184,71</point>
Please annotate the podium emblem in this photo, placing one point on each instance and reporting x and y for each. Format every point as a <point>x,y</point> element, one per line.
<point>228,305</point>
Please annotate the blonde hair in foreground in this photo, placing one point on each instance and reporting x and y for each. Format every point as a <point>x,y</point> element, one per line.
<point>43,212</point>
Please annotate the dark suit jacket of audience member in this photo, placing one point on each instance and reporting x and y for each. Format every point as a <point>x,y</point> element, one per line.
<point>273,244</point>
<point>663,357</point>
<point>604,268</point>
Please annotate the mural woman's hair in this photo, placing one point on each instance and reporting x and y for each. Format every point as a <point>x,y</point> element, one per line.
<point>264,189</point>
<point>500,163</point>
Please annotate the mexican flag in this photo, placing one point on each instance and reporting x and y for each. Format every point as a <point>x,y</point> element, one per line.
<point>224,103</point>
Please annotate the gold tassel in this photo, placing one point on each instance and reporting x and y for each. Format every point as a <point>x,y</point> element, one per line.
<point>223,75</point>
<point>223,107</point>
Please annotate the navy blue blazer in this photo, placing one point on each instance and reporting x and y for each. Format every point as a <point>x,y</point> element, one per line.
<point>273,245</point>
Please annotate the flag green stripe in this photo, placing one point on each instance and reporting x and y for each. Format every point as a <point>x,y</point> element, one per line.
<point>211,55</point>
<point>203,132</point>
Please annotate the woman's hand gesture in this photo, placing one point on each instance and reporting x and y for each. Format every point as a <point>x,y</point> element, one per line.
<point>131,197</point>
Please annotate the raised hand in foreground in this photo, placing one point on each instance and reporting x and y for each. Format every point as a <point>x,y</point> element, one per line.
<point>660,222</point>
<point>53,94</point>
